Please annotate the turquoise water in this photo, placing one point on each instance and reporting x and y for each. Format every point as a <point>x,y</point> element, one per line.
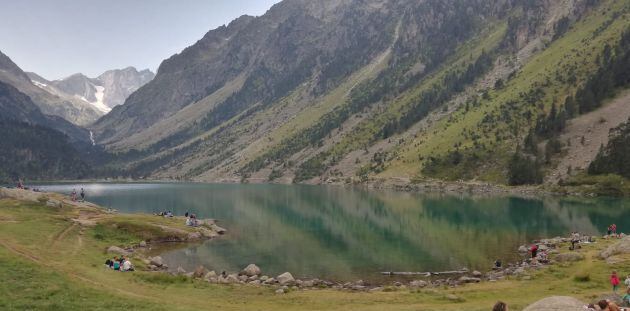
<point>347,234</point>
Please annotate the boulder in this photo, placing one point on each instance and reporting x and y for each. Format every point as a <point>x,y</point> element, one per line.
<point>285,278</point>
<point>200,272</point>
<point>53,203</point>
<point>210,274</point>
<point>251,270</point>
<point>117,250</point>
<point>308,283</point>
<point>418,283</point>
<point>255,282</point>
<point>556,303</point>
<point>264,278</point>
<point>614,260</point>
<point>621,247</point>
<point>181,270</point>
<point>143,244</point>
<point>454,298</point>
<point>280,291</point>
<point>193,236</point>
<point>466,279</point>
<point>477,274</point>
<point>233,278</point>
<point>569,257</point>
<point>523,249</point>
<point>612,297</point>
<point>242,278</point>
<point>157,261</point>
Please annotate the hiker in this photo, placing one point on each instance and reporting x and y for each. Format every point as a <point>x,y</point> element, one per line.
<point>169,214</point>
<point>73,195</point>
<point>534,250</point>
<point>188,221</point>
<point>500,306</point>
<point>627,281</point>
<point>109,263</point>
<point>614,281</point>
<point>20,185</point>
<point>543,257</point>
<point>186,215</point>
<point>606,305</point>
<point>613,227</point>
<point>82,195</point>
<point>127,266</point>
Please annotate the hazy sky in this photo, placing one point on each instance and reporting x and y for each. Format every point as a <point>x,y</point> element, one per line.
<point>56,38</point>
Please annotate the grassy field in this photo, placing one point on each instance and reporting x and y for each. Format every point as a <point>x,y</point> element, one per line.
<point>49,262</point>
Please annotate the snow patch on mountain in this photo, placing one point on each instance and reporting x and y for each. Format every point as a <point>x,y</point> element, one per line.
<point>100,95</point>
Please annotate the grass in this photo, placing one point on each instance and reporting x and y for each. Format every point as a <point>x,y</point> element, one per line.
<point>67,274</point>
<point>576,47</point>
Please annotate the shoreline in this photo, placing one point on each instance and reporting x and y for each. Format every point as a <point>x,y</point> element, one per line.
<point>84,233</point>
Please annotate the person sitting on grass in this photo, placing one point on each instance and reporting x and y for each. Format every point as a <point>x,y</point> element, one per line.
<point>127,266</point>
<point>500,306</point>
<point>116,264</point>
<point>109,263</point>
<point>607,305</point>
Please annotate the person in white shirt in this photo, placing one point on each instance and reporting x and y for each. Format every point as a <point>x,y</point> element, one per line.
<point>127,266</point>
<point>627,281</point>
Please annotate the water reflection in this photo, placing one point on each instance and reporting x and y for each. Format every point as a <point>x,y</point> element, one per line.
<point>345,234</point>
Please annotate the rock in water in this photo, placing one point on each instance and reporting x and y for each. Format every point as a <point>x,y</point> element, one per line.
<point>285,278</point>
<point>251,270</point>
<point>556,303</point>
<point>157,261</point>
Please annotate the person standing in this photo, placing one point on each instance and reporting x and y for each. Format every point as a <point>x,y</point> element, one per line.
<point>73,195</point>
<point>82,195</point>
<point>534,250</point>
<point>614,281</point>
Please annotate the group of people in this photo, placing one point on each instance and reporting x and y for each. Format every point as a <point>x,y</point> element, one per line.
<point>168,214</point>
<point>612,231</point>
<point>119,264</point>
<point>191,220</point>
<point>73,195</point>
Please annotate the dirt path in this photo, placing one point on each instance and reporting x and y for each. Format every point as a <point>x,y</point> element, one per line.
<point>16,250</point>
<point>594,127</point>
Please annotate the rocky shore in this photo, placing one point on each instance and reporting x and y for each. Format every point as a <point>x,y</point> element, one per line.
<point>252,275</point>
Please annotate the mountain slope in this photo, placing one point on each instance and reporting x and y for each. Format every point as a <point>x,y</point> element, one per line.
<point>71,109</point>
<point>359,90</point>
<point>30,148</point>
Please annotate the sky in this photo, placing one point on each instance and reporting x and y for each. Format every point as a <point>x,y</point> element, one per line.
<point>57,38</point>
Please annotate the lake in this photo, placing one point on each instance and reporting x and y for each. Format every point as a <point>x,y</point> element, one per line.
<point>341,234</point>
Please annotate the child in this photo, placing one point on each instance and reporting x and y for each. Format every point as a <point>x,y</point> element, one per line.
<point>627,281</point>
<point>626,297</point>
<point>614,280</point>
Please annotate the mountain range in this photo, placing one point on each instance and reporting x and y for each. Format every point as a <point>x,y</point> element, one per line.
<point>355,91</point>
<point>360,90</point>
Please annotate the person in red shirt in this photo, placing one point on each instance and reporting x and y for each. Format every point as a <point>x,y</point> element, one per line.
<point>534,250</point>
<point>614,281</point>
